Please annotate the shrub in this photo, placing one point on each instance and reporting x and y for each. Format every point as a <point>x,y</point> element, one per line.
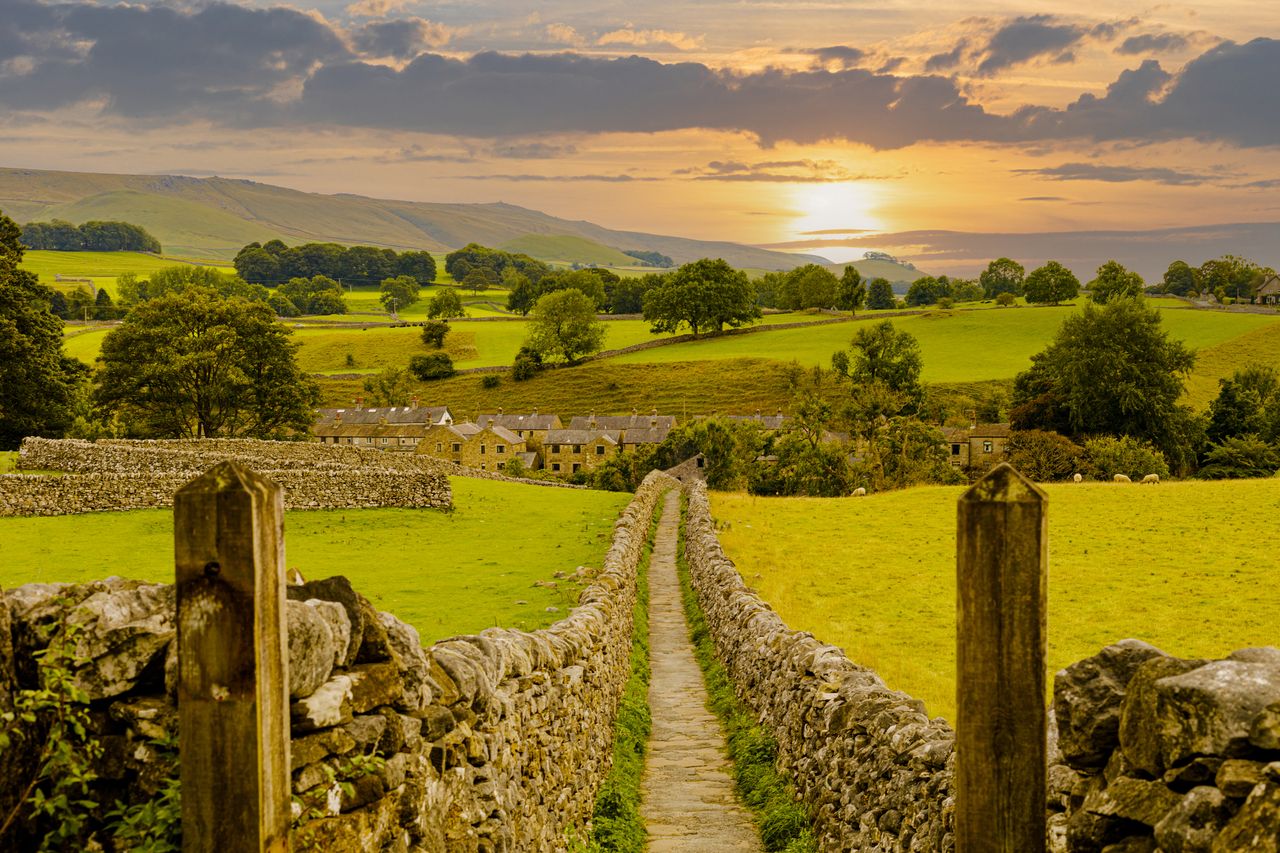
<point>282,306</point>
<point>1108,455</point>
<point>1044,455</point>
<point>528,363</point>
<point>491,380</point>
<point>1006,299</point>
<point>434,332</point>
<point>1240,456</point>
<point>437,365</point>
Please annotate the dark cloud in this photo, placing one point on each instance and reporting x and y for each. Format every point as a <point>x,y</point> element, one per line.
<point>776,172</point>
<point>1153,43</point>
<point>948,60</point>
<point>1027,38</point>
<point>842,55</point>
<point>400,39</point>
<point>532,151</point>
<point>528,178</point>
<point>1044,198</point>
<point>1118,174</point>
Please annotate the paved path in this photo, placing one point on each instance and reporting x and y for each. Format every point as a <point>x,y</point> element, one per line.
<point>689,802</point>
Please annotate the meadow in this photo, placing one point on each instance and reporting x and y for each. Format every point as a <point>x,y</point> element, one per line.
<point>445,573</point>
<point>1180,566</point>
<point>102,267</point>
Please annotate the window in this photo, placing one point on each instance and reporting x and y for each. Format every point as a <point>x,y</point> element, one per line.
<point>955,450</point>
<point>383,441</point>
<point>577,448</point>
<point>987,447</point>
<point>439,447</point>
<point>576,466</point>
<point>701,462</point>
<point>483,467</point>
<point>501,465</point>
<point>482,449</point>
<point>555,466</point>
<point>457,448</point>
<point>555,448</point>
<point>502,448</point>
<point>599,450</point>
<point>368,441</point>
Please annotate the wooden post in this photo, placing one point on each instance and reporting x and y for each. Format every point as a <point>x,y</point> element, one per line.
<point>233,702</point>
<point>1001,569</point>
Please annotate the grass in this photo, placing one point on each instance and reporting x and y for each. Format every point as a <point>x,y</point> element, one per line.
<point>8,461</point>
<point>1181,566</point>
<point>782,822</point>
<point>566,249</point>
<point>102,267</point>
<point>616,823</point>
<point>444,573</point>
<point>1259,346</point>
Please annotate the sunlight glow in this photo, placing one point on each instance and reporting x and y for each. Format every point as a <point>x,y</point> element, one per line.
<point>845,207</point>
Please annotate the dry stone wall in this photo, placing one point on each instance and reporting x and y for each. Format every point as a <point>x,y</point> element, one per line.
<point>492,742</point>
<point>1156,753</point>
<point>876,772</point>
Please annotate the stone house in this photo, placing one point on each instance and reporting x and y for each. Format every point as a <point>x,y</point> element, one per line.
<point>1268,293</point>
<point>633,431</point>
<point>531,427</point>
<point>397,428</point>
<point>488,448</point>
<point>566,451</point>
<point>978,446</point>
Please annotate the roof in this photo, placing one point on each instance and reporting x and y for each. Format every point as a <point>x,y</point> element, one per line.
<point>766,421</point>
<point>529,459</point>
<point>393,414</point>
<point>343,429</point>
<point>977,431</point>
<point>646,435</point>
<point>1270,286</point>
<point>581,436</point>
<point>515,421</point>
<point>624,422</point>
<point>504,434</point>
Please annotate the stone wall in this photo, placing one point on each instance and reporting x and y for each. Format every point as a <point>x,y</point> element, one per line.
<point>1156,753</point>
<point>493,742</point>
<point>876,772</point>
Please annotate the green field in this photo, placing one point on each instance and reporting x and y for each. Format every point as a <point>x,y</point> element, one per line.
<point>445,573</point>
<point>568,249</point>
<point>1182,566</point>
<point>102,267</point>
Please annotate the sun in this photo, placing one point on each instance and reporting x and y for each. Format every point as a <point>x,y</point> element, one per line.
<point>835,208</point>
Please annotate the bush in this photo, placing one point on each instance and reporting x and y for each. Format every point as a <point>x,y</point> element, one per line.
<point>437,365</point>
<point>434,332</point>
<point>1108,456</point>
<point>491,380</point>
<point>1044,455</point>
<point>1006,299</point>
<point>1240,456</point>
<point>528,363</point>
<point>282,306</point>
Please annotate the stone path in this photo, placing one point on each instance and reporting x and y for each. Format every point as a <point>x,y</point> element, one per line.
<point>689,801</point>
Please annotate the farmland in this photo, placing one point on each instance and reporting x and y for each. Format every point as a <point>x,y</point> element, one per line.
<point>445,573</point>
<point>1177,566</point>
<point>102,267</point>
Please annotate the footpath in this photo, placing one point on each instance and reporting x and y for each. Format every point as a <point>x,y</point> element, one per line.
<point>689,803</point>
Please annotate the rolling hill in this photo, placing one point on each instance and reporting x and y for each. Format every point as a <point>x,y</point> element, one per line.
<point>213,217</point>
<point>568,249</point>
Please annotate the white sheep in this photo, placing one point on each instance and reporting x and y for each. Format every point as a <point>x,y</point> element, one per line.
<point>1077,478</point>
<point>859,492</point>
<point>1153,479</point>
<point>1121,478</point>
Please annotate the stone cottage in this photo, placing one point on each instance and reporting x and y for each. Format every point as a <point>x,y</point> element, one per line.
<point>978,446</point>
<point>566,451</point>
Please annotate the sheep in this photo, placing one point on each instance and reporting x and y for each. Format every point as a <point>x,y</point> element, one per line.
<point>1121,478</point>
<point>1153,479</point>
<point>1077,478</point>
<point>859,492</point>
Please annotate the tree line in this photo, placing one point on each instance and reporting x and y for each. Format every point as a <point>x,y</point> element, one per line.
<point>273,263</point>
<point>94,236</point>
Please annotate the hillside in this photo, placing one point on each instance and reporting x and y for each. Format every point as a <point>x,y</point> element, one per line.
<point>899,275</point>
<point>213,217</point>
<point>568,249</point>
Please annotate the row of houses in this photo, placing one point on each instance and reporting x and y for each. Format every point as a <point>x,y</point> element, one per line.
<point>542,441</point>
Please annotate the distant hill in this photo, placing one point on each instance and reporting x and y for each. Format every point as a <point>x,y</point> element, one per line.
<point>894,273</point>
<point>568,249</point>
<point>213,217</point>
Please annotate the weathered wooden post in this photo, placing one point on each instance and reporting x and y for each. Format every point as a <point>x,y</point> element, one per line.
<point>233,707</point>
<point>1001,570</point>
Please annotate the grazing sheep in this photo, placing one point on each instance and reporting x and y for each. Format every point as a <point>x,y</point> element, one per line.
<point>1121,478</point>
<point>1077,478</point>
<point>859,492</point>
<point>1153,479</point>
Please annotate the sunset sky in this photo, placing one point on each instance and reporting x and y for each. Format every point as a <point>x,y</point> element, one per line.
<point>792,124</point>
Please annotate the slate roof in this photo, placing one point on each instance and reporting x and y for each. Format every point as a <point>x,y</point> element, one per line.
<point>774,422</point>
<point>393,415</point>
<point>646,435</point>
<point>581,436</point>
<point>342,429</point>
<point>515,421</point>
<point>622,422</point>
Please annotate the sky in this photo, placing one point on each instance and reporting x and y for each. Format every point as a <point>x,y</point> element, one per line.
<point>813,125</point>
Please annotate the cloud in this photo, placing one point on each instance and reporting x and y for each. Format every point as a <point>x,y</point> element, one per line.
<point>1118,174</point>
<point>532,150</point>
<point>645,38</point>
<point>1027,38</point>
<point>521,178</point>
<point>377,8</point>
<point>403,38</point>
<point>1153,43</point>
<point>776,171</point>
<point>840,55</point>
<point>564,34</point>
<point>949,59</point>
<point>1044,198</point>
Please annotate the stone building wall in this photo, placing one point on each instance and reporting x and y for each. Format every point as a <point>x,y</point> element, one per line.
<point>875,771</point>
<point>492,742</point>
<point>1155,753</point>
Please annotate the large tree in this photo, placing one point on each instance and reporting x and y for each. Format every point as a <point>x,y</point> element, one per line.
<point>705,294</point>
<point>1051,283</point>
<point>196,365</point>
<point>38,384</point>
<point>1003,275</point>
<point>1111,370</point>
<point>808,286</point>
<point>1115,282</point>
<point>882,354</point>
<point>1180,279</point>
<point>880,295</point>
<point>852,291</point>
<point>563,326</point>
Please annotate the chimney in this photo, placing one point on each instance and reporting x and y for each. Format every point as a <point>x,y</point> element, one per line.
<point>383,420</point>
<point>415,401</point>
<point>499,410</point>
<point>338,416</point>
<point>591,424</point>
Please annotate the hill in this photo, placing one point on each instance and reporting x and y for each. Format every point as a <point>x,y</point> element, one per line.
<point>568,249</point>
<point>899,275</point>
<point>214,217</point>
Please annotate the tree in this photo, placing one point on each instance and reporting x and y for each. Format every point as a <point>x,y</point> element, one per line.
<point>705,294</point>
<point>445,304</point>
<point>102,307</point>
<point>1248,402</point>
<point>881,353</point>
<point>316,295</point>
<point>434,332</point>
<point>563,326</point>
<point>1231,276</point>
<point>1043,455</point>
<point>477,280</point>
<point>1111,370</point>
<point>390,386</point>
<point>808,286</point>
<point>1051,283</point>
<point>436,365</point>
<point>1113,281</point>
<point>399,292</point>
<point>851,293</point>
<point>1002,275</point>
<point>1180,279</point>
<point>38,384</point>
<point>966,290</point>
<point>1109,455</point>
<point>257,265</point>
<point>880,295</point>
<point>178,278</point>
<point>927,290</point>
<point>1240,456</point>
<point>194,364</point>
<point>420,266</point>
<point>527,364</point>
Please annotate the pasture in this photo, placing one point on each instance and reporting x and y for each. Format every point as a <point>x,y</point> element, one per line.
<point>1181,565</point>
<point>445,573</point>
<point>102,267</point>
